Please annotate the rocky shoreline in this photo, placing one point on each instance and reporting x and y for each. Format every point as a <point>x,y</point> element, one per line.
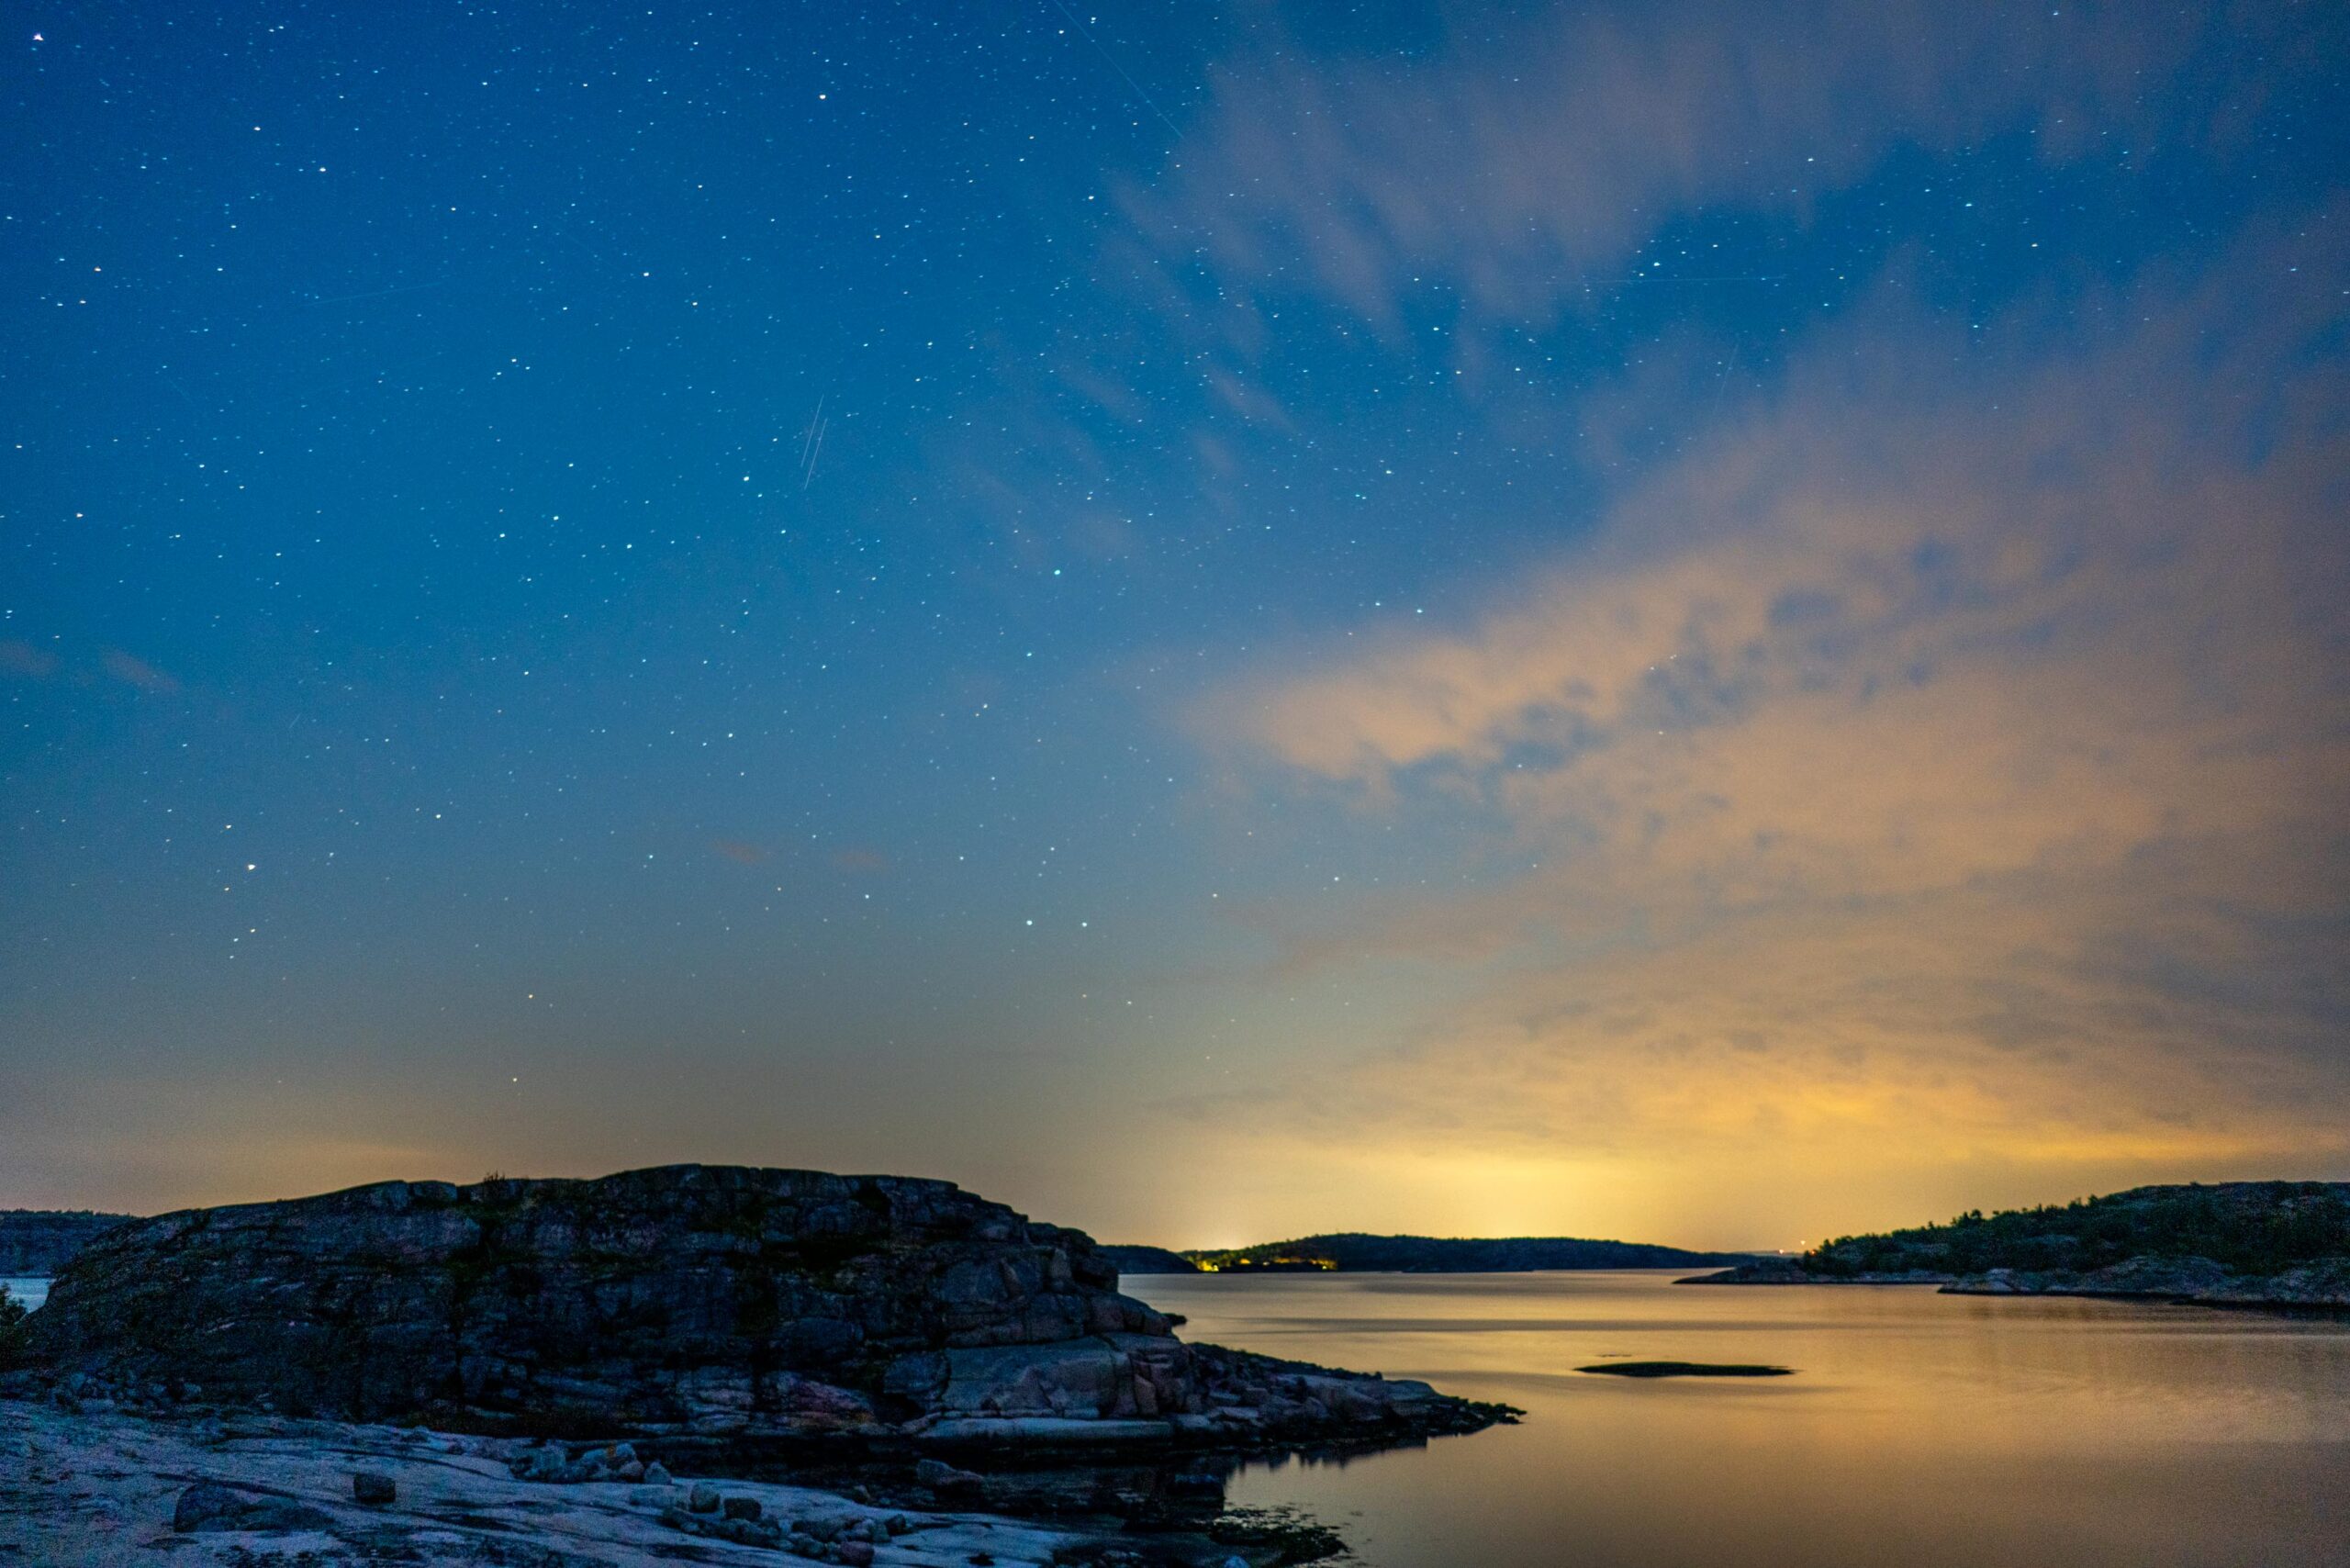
<point>91,1489</point>
<point>2189,1282</point>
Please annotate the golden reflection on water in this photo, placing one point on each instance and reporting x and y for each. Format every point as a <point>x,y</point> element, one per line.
<point>1919,1429</point>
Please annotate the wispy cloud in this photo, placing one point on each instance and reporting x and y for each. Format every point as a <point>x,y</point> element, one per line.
<point>1526,164</point>
<point>132,670</point>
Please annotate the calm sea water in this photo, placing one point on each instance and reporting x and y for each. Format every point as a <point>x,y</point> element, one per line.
<point>31,1292</point>
<point>1919,1429</point>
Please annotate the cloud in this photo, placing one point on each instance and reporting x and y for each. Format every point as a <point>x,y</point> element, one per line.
<point>133,671</point>
<point>19,657</point>
<point>1947,752</point>
<point>1525,164</point>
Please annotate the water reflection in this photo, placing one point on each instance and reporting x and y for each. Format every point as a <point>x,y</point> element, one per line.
<point>1918,1428</point>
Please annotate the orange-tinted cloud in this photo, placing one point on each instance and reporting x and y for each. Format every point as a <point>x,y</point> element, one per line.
<point>1935,771</point>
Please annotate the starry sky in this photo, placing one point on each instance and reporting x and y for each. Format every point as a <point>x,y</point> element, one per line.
<point>1707,623</point>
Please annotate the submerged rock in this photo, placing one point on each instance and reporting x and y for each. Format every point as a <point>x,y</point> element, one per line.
<point>703,1300</point>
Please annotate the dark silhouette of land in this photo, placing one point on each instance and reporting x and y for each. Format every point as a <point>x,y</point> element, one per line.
<point>1353,1252</point>
<point>2232,1244</point>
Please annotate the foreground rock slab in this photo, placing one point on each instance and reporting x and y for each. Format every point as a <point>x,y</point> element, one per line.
<point>99,1490</point>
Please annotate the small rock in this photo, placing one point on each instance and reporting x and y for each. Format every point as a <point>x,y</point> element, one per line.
<point>373,1487</point>
<point>657,1474</point>
<point>940,1476</point>
<point>632,1473</point>
<point>703,1498</point>
<point>743,1508</point>
<point>855,1553</point>
<point>203,1503</point>
<point>751,1532</point>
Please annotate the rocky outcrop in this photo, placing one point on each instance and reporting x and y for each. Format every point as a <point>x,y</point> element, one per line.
<point>2192,1280</point>
<point>91,1489</point>
<point>1787,1271</point>
<point>685,1300</point>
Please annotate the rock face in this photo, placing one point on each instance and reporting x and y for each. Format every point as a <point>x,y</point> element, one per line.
<point>686,1299</point>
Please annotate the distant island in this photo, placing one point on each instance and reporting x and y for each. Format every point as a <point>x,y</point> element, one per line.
<point>38,1242</point>
<point>2232,1244</point>
<point>1352,1253</point>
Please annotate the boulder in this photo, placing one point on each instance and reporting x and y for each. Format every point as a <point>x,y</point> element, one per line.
<point>946,1479</point>
<point>373,1487</point>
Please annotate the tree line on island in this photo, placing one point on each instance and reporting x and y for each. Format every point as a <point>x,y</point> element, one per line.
<point>2231,1244</point>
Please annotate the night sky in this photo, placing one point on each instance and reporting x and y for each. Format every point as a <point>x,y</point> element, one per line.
<point>1704,623</point>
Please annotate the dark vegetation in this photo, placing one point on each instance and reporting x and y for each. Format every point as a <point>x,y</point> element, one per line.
<point>2247,1227</point>
<point>12,1329</point>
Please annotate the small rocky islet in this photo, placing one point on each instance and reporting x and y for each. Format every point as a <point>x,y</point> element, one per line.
<point>1685,1369</point>
<point>901,1337</point>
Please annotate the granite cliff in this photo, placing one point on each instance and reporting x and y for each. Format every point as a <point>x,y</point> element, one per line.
<point>707,1300</point>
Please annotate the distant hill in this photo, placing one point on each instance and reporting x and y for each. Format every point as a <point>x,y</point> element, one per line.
<point>2235,1243</point>
<point>38,1242</point>
<point>1356,1253</point>
<point>1149,1261</point>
